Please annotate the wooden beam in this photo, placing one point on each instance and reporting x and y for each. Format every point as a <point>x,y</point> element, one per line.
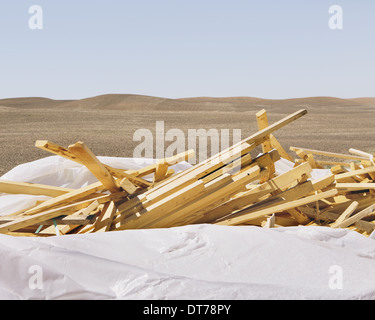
<point>276,145</point>
<point>279,208</point>
<point>61,220</point>
<point>161,172</point>
<point>104,221</point>
<point>230,168</point>
<point>67,198</point>
<point>329,154</point>
<point>323,182</point>
<point>270,223</point>
<point>67,154</point>
<point>353,219</point>
<point>355,186</point>
<point>57,150</point>
<point>323,163</point>
<point>232,153</point>
<point>360,153</point>
<point>291,194</point>
<point>136,180</point>
<point>253,195</point>
<point>355,173</point>
<point>260,136</point>
<point>262,121</point>
<point>38,218</point>
<point>12,187</point>
<point>346,214</point>
<point>89,159</point>
<point>208,201</point>
<point>184,156</point>
<point>127,186</point>
<point>160,208</point>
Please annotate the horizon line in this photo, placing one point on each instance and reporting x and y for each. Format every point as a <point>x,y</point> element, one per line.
<point>188,97</point>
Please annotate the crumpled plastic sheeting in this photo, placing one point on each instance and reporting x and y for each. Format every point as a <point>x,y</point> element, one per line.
<point>193,262</point>
<point>200,262</point>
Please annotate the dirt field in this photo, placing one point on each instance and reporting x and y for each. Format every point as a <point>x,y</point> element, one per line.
<point>107,123</point>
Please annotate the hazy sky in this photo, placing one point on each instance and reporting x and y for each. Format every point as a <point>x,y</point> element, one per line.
<point>185,48</point>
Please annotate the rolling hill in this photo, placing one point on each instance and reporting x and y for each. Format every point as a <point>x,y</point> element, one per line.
<point>142,102</point>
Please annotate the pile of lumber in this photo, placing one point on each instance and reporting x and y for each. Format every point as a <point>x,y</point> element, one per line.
<point>231,188</point>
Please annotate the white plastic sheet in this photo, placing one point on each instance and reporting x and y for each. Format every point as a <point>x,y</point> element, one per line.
<point>201,262</point>
<point>193,262</point>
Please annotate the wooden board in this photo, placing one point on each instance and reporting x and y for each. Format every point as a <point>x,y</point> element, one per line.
<point>89,159</point>
<point>279,208</point>
<point>329,154</point>
<point>24,221</point>
<point>12,187</point>
<point>67,198</point>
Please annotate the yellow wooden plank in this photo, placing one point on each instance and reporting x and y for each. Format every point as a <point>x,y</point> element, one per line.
<point>105,220</point>
<point>57,150</point>
<point>67,198</point>
<point>347,213</point>
<point>13,187</point>
<point>162,207</point>
<point>230,154</point>
<point>360,215</point>
<point>323,182</point>
<point>161,171</point>
<point>361,153</point>
<point>63,229</point>
<point>278,208</point>
<point>89,159</point>
<point>136,180</point>
<point>367,226</point>
<point>328,154</point>
<point>357,172</point>
<point>184,156</point>
<point>230,168</point>
<point>67,154</point>
<point>270,223</point>
<point>25,221</point>
<point>354,186</point>
<point>291,194</point>
<point>276,145</point>
<point>253,195</point>
<point>61,220</point>
<point>300,217</point>
<point>127,186</point>
<point>325,163</point>
<point>262,121</point>
<point>199,206</point>
<point>262,135</point>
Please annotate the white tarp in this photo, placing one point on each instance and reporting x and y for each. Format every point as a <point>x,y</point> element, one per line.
<point>192,262</point>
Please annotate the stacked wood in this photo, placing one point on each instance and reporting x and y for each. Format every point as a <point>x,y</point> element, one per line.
<point>232,188</point>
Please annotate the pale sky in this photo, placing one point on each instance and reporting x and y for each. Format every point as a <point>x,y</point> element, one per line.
<point>187,48</point>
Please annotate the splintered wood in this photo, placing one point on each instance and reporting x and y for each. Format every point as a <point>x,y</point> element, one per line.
<point>231,188</point>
